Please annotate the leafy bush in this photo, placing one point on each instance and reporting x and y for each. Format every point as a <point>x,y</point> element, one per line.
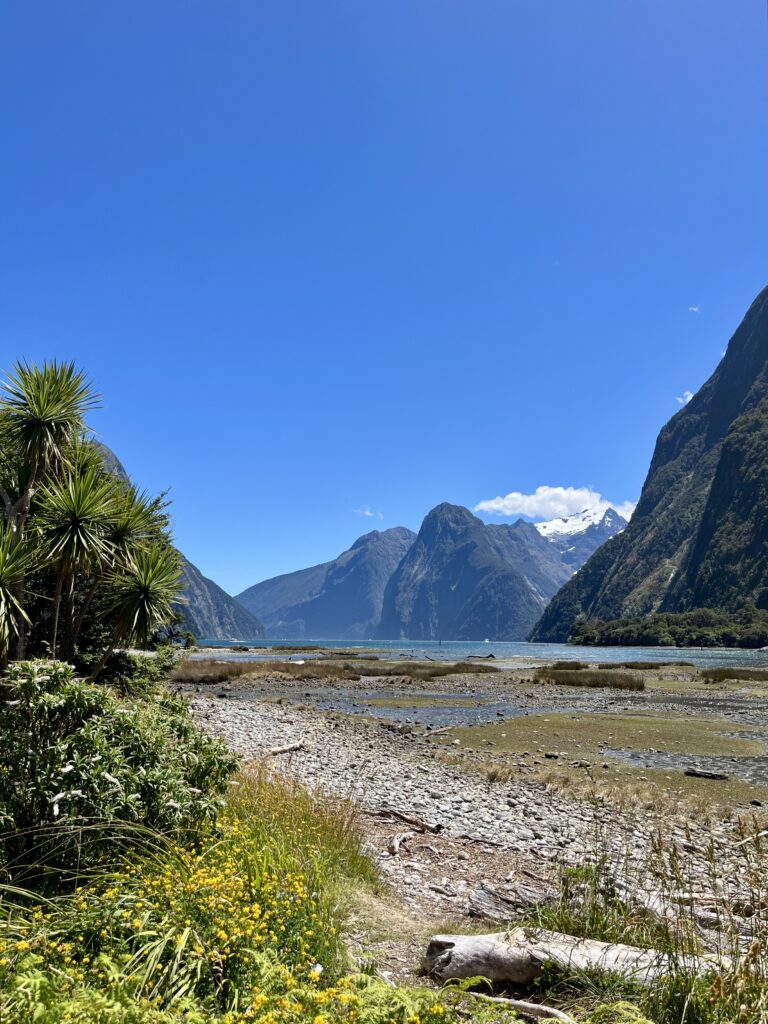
<point>77,761</point>
<point>132,675</point>
<point>245,927</point>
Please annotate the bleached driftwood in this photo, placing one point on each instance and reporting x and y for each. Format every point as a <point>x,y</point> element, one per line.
<point>517,956</point>
<point>536,1010</point>
<point>492,905</point>
<point>289,748</point>
<point>397,840</point>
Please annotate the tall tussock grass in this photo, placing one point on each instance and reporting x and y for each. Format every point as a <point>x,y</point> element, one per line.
<point>711,932</point>
<point>721,675</point>
<point>205,672</point>
<point>644,665</point>
<point>589,678</point>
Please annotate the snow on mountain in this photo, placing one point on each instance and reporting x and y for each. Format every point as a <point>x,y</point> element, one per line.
<point>569,526</point>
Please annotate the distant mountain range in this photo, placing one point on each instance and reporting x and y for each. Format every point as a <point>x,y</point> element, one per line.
<point>457,579</point>
<point>699,535</point>
<point>340,599</point>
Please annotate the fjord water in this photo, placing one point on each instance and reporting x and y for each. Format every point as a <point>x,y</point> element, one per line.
<point>460,650</point>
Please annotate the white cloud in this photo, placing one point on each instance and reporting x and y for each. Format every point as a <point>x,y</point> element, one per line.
<point>368,513</point>
<point>685,398</point>
<point>694,309</point>
<point>552,503</point>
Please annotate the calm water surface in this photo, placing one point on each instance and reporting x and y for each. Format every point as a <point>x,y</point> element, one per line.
<point>459,650</point>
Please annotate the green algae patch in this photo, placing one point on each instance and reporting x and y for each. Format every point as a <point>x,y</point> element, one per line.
<point>585,733</point>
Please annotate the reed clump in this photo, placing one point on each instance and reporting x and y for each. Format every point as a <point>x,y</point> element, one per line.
<point>722,675</point>
<point>590,678</point>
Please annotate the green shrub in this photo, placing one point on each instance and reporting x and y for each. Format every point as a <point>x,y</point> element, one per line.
<point>80,768</point>
<point>132,675</point>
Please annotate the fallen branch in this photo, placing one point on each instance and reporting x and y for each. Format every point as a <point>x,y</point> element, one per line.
<point>288,748</point>
<point>478,839</point>
<point>517,957</point>
<point>536,1010</point>
<point>409,819</point>
<point>397,840</point>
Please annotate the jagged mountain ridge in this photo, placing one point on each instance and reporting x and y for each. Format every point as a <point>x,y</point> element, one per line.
<point>467,580</point>
<point>474,580</point>
<point>699,535</point>
<point>340,599</point>
<point>578,536</point>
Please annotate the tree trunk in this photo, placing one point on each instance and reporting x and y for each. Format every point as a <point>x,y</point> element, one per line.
<point>55,613</point>
<point>69,615</point>
<point>117,636</point>
<point>518,956</point>
<point>80,617</point>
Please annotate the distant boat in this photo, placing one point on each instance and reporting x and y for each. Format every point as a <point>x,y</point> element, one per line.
<point>486,641</point>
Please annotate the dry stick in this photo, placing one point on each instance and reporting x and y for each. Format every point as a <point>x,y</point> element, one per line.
<point>409,819</point>
<point>535,1010</point>
<point>289,748</point>
<point>397,840</point>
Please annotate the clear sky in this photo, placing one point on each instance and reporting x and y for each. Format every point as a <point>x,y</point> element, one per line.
<point>332,262</point>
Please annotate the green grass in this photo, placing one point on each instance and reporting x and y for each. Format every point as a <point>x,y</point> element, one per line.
<point>590,904</point>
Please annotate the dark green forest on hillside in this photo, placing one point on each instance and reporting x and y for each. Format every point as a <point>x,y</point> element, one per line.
<point>704,627</point>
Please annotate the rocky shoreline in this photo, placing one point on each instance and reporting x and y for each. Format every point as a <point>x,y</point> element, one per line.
<point>381,766</point>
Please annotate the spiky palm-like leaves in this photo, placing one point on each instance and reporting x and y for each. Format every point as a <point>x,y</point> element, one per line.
<point>70,522</point>
<point>143,594</point>
<point>45,408</point>
<point>73,518</point>
<point>14,563</point>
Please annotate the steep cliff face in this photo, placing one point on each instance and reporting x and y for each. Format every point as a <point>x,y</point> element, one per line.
<point>210,613</point>
<point>340,599</point>
<point>463,580</point>
<point>698,534</point>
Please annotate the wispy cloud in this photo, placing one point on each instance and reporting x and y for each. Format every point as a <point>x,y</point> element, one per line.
<point>368,513</point>
<point>552,503</point>
<point>685,398</point>
<point>694,309</point>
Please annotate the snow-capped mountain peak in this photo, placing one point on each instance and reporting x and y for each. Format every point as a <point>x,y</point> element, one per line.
<point>568,526</point>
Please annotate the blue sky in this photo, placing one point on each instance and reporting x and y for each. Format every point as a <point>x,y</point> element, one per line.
<point>331,258</point>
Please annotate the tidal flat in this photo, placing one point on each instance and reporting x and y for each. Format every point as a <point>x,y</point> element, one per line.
<point>504,716</point>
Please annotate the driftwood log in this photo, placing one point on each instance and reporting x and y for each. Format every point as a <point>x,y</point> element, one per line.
<point>517,956</point>
<point>488,903</point>
<point>289,748</point>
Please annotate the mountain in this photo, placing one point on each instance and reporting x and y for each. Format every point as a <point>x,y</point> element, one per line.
<point>465,580</point>
<point>699,534</point>
<point>210,613</point>
<point>340,599</point>
<point>578,536</point>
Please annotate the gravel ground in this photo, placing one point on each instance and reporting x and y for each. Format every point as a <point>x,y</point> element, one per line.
<point>382,766</point>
